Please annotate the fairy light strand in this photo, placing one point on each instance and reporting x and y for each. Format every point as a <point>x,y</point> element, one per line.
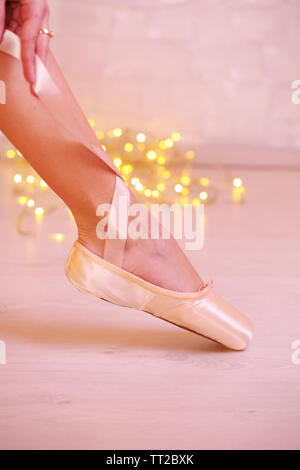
<point>157,170</point>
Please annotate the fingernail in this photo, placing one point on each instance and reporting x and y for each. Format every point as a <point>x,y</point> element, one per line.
<point>33,92</point>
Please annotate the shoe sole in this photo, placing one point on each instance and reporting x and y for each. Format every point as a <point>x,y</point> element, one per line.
<point>145,311</point>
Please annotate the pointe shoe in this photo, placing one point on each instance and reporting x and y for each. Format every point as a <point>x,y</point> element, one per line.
<point>203,312</point>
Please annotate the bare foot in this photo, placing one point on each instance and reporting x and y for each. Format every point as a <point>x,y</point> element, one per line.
<point>161,262</point>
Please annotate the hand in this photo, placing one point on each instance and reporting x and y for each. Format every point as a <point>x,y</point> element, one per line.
<point>26,18</point>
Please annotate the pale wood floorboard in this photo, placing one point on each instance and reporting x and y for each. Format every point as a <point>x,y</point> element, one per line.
<point>83,374</point>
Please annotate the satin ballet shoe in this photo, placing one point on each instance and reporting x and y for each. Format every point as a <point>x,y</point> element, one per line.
<point>203,312</point>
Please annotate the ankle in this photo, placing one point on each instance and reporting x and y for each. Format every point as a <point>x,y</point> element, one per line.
<point>89,239</point>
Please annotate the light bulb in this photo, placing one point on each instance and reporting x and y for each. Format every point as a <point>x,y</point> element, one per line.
<point>141,137</point>
<point>185,179</point>
<point>204,181</point>
<point>128,147</point>
<point>117,162</point>
<point>30,179</point>
<point>237,182</point>
<point>176,136</point>
<point>39,211</point>
<point>17,178</point>
<point>117,132</point>
<point>10,153</point>
<point>151,155</point>
<point>178,188</point>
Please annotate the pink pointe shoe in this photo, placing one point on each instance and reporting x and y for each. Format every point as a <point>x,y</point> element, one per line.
<point>203,312</point>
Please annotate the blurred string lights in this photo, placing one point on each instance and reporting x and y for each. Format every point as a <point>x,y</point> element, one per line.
<point>155,170</point>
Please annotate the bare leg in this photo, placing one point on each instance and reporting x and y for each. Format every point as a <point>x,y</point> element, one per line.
<point>80,178</point>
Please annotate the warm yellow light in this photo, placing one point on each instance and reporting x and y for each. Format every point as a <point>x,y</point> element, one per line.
<point>147,192</point>
<point>17,178</point>
<point>204,181</point>
<point>176,136</point>
<point>91,122</point>
<point>196,201</point>
<point>203,195</point>
<point>178,188</point>
<point>169,143</point>
<point>128,147</point>
<point>161,186</point>
<point>166,174</point>
<point>151,154</point>
<point>141,137</point>
<point>30,203</point>
<point>30,179</point>
<point>161,160</point>
<point>139,187</point>
<point>104,147</point>
<point>100,134</point>
<point>43,184</point>
<point>126,169</point>
<point>141,147</point>
<point>185,191</point>
<point>39,211</point>
<point>117,132</point>
<point>117,162</point>
<point>162,145</point>
<point>237,182</point>
<point>58,237</point>
<point>10,153</point>
<point>22,200</point>
<point>185,179</point>
<point>155,193</point>
<point>190,154</point>
<point>135,181</point>
<point>184,200</point>
<point>238,194</point>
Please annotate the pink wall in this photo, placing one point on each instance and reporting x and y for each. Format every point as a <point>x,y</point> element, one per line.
<point>215,70</point>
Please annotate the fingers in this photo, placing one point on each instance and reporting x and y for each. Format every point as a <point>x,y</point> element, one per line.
<point>12,26</point>
<point>34,12</point>
<point>12,16</point>
<point>28,43</point>
<point>2,18</point>
<point>42,45</point>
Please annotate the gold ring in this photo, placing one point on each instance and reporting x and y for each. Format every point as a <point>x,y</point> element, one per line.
<point>46,31</point>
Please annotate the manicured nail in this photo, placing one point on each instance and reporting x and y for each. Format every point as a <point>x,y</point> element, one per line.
<point>32,90</point>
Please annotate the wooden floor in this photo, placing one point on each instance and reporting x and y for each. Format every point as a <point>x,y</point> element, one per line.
<point>83,374</point>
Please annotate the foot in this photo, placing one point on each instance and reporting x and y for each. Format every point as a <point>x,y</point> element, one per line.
<point>163,263</point>
<point>160,262</point>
